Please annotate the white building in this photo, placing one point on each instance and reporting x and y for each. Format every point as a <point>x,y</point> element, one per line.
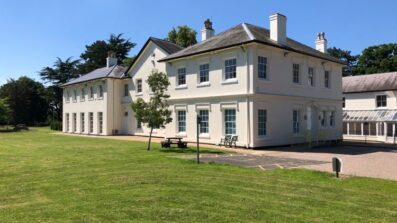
<point>247,81</point>
<point>370,107</point>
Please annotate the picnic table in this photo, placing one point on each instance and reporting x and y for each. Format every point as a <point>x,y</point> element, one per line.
<point>167,142</point>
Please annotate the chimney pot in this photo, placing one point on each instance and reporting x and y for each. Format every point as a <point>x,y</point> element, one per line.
<point>207,32</point>
<point>321,42</point>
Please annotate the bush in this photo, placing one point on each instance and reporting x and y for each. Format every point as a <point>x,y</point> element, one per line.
<point>56,125</point>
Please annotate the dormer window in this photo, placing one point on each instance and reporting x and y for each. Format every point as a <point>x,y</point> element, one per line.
<point>381,101</point>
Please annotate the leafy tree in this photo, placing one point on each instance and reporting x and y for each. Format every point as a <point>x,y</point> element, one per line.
<point>60,73</point>
<point>344,55</point>
<point>95,54</point>
<point>5,111</point>
<point>128,61</point>
<point>154,113</point>
<point>377,59</point>
<point>183,36</point>
<point>26,100</point>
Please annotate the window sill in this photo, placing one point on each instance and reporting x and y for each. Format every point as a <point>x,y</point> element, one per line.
<point>67,102</point>
<point>264,80</point>
<point>74,101</point>
<point>82,100</point>
<point>181,134</point>
<point>100,98</point>
<point>139,94</point>
<point>204,136</point>
<point>90,99</point>
<point>179,87</point>
<point>204,84</point>
<point>230,81</point>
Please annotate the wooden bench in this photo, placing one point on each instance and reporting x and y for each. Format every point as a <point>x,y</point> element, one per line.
<point>228,141</point>
<point>168,142</point>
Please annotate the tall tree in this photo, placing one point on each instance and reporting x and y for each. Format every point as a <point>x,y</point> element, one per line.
<point>344,55</point>
<point>154,113</point>
<point>183,36</point>
<point>60,73</point>
<point>5,111</point>
<point>377,59</point>
<point>95,54</point>
<point>26,100</point>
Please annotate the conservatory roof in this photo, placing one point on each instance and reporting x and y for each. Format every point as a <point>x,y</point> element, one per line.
<point>383,115</point>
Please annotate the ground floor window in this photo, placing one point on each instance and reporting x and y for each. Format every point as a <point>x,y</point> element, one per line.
<point>295,121</point>
<point>262,119</point>
<point>181,121</point>
<point>91,118</point>
<point>204,126</point>
<point>323,118</point>
<point>82,122</point>
<point>67,122</point>
<point>74,122</point>
<point>332,119</point>
<point>138,124</point>
<point>100,122</point>
<point>230,121</point>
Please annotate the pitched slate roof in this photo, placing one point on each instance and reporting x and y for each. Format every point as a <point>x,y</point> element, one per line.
<point>104,72</point>
<point>247,33</point>
<point>370,82</point>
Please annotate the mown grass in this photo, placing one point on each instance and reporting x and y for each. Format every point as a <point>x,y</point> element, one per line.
<point>46,177</point>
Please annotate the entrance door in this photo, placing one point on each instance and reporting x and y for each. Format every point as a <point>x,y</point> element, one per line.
<point>126,125</point>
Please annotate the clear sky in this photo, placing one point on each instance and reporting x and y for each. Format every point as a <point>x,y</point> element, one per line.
<point>34,33</point>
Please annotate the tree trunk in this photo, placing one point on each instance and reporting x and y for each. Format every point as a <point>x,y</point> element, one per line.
<point>150,138</point>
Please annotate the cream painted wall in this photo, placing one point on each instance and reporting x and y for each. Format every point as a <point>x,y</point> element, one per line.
<point>367,100</point>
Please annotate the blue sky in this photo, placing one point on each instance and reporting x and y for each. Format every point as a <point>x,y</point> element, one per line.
<point>34,33</point>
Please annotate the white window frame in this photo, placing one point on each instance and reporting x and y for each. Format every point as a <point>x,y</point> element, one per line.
<point>232,79</point>
<point>331,119</point>
<point>74,122</point>
<point>323,121</point>
<point>327,79</point>
<point>178,74</point>
<point>92,93</point>
<point>207,127</point>
<point>100,91</point>
<point>82,122</point>
<point>224,121</point>
<point>294,73</point>
<point>200,71</point>
<point>100,122</point>
<point>266,77</point>
<point>296,122</point>
<point>179,122</point>
<point>82,97</point>
<point>139,86</point>
<point>74,96</point>
<point>311,77</point>
<point>376,100</point>
<point>126,90</point>
<point>67,98</point>
<point>90,122</point>
<point>261,122</point>
<point>67,117</point>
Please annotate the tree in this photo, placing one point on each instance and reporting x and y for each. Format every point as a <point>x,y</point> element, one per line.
<point>183,36</point>
<point>95,54</point>
<point>26,100</point>
<point>60,73</point>
<point>377,59</point>
<point>154,113</point>
<point>346,56</point>
<point>5,111</point>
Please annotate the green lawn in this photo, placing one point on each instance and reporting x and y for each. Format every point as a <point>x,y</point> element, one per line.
<point>46,177</point>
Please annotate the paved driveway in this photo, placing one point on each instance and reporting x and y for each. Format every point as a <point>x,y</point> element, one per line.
<point>374,161</point>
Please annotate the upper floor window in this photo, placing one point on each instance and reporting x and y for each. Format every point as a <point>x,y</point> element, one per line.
<point>295,121</point>
<point>91,92</point>
<point>381,101</point>
<point>311,76</point>
<point>74,95</point>
<point>181,76</point>
<point>323,118</point>
<point>204,73</point>
<point>262,120</point>
<point>262,67</point>
<point>82,94</point>
<point>327,79</point>
<point>230,69</point>
<point>100,91</point>
<point>139,86</point>
<point>126,90</point>
<point>295,73</point>
<point>67,96</point>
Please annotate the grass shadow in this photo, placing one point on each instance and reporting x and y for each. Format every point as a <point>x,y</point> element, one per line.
<point>189,150</point>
